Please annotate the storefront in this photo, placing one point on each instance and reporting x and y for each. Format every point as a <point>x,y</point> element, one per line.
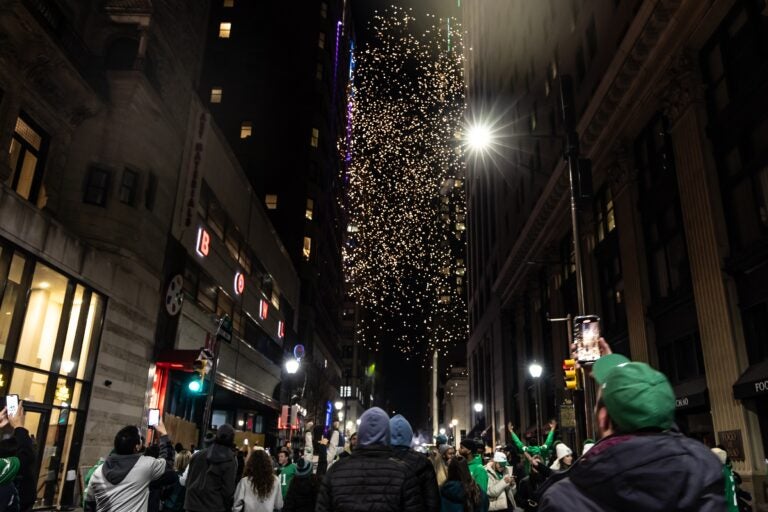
<point>50,327</point>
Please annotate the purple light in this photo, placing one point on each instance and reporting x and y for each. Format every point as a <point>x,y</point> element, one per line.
<point>336,56</point>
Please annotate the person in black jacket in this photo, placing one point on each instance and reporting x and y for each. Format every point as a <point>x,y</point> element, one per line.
<point>401,438</point>
<point>25,451</point>
<point>302,493</point>
<point>211,479</point>
<point>640,463</point>
<point>371,478</point>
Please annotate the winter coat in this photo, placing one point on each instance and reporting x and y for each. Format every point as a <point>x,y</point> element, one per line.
<point>730,489</point>
<point>527,496</point>
<point>302,494</point>
<point>639,472</point>
<point>477,470</point>
<point>248,501</point>
<point>371,480</point>
<point>423,471</point>
<point>9,495</point>
<point>452,498</point>
<point>26,480</point>
<point>211,480</point>
<point>500,493</point>
<point>123,481</point>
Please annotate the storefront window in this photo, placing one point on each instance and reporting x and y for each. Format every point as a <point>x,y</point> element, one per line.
<point>30,386</point>
<point>10,298</point>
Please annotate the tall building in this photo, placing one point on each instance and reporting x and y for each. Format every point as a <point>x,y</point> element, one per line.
<point>279,98</point>
<point>670,111</point>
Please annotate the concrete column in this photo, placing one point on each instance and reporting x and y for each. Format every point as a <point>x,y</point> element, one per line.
<point>702,218</point>
<point>623,178</point>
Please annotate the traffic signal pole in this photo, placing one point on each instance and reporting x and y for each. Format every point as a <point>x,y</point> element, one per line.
<point>208,410</point>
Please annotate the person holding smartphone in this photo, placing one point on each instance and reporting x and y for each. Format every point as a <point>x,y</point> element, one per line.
<point>18,443</point>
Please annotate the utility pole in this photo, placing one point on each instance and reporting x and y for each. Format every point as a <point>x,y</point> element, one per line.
<point>435,422</point>
<point>223,331</point>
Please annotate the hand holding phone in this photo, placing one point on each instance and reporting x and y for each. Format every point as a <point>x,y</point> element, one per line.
<point>153,417</point>
<point>586,338</point>
<point>12,404</point>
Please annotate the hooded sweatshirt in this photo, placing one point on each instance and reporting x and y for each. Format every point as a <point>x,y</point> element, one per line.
<point>212,479</point>
<point>645,472</point>
<point>122,482</point>
<point>401,438</point>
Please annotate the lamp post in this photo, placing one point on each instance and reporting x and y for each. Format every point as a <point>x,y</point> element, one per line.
<point>535,370</point>
<point>456,435</point>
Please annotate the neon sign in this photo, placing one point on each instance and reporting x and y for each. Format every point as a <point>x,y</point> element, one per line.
<point>239,283</point>
<point>203,246</point>
<point>263,309</point>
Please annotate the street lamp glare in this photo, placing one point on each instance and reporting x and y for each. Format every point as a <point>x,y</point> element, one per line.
<point>338,405</point>
<point>535,369</point>
<point>479,137</point>
<point>442,431</point>
<point>454,422</point>
<point>478,407</point>
<point>292,366</point>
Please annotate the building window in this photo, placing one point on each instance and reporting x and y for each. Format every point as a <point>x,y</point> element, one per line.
<point>321,40</point>
<point>96,187</point>
<point>229,3</point>
<point>310,209</point>
<point>315,139</point>
<point>216,94</point>
<point>755,320</point>
<point>323,10</point>
<point>345,391</point>
<point>271,201</point>
<point>682,359</point>
<point>128,186</point>
<point>604,215</point>
<point>225,28</point>
<point>246,129</point>
<point>307,250</point>
<point>319,71</point>
<point>26,157</point>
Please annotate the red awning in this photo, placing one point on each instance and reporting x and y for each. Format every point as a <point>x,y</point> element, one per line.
<point>177,359</point>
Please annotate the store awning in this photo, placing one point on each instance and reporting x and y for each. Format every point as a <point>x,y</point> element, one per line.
<point>691,394</point>
<point>753,382</point>
<point>177,359</point>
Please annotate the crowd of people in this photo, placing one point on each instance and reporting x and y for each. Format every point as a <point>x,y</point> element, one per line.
<point>640,463</point>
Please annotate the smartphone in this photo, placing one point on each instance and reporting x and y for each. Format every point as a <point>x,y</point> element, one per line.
<point>12,404</point>
<point>586,335</point>
<point>153,418</point>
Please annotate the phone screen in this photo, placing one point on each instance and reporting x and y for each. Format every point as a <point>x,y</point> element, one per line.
<point>586,337</point>
<point>154,417</point>
<point>12,404</point>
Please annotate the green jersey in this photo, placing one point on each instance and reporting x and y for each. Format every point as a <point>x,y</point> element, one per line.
<point>286,475</point>
<point>477,470</point>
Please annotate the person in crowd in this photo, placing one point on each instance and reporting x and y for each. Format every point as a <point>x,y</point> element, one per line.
<point>469,449</point>
<point>211,476</point>
<point>731,501</point>
<point>309,449</point>
<point>350,446</point>
<point>335,443</point>
<point>543,450</point>
<point>501,483</point>
<point>587,445</point>
<point>12,426</point>
<point>460,492</point>
<point>240,456</point>
<point>320,449</point>
<point>285,469</point>
<point>9,469</point>
<point>527,496</point>
<point>259,489</point>
<point>638,444</point>
<point>178,448</point>
<point>302,494</point>
<point>159,486</point>
<point>123,481</point>
<point>440,462</point>
<point>401,439</point>
<point>564,458</point>
<point>371,479</point>
<point>173,495</point>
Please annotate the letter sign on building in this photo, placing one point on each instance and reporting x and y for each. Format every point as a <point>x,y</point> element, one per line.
<point>263,309</point>
<point>239,283</point>
<point>203,242</point>
<point>281,329</point>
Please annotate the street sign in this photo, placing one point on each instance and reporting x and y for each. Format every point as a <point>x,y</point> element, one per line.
<point>567,414</point>
<point>224,332</point>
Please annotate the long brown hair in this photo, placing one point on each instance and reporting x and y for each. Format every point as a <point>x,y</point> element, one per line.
<point>258,470</point>
<point>458,470</point>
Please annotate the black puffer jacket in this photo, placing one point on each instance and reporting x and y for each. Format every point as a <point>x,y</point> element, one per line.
<point>211,480</point>
<point>371,480</point>
<point>424,472</point>
<point>302,494</point>
<point>639,473</point>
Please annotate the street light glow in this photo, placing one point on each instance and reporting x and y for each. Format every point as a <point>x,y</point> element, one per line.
<point>338,405</point>
<point>478,407</point>
<point>442,431</point>
<point>535,369</point>
<point>292,366</point>
<point>454,422</point>
<point>479,137</point>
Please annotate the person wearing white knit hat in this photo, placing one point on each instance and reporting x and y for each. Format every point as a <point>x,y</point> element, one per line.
<point>501,483</point>
<point>564,457</point>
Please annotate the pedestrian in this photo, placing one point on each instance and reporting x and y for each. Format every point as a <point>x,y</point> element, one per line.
<point>123,481</point>
<point>285,469</point>
<point>527,496</point>
<point>158,487</point>
<point>460,492</point>
<point>211,476</point>
<point>401,439</point>
<point>731,489</point>
<point>501,483</point>
<point>173,495</point>
<point>9,468</point>
<point>302,493</point>
<point>640,462</point>
<point>564,458</point>
<point>468,449</point>
<point>22,447</point>
<point>335,443</point>
<point>309,449</point>
<point>543,450</point>
<point>440,462</point>
<point>259,489</point>
<point>350,446</point>
<point>320,449</point>
<point>178,448</point>
<point>240,458</point>
<point>588,444</point>
<point>371,479</point>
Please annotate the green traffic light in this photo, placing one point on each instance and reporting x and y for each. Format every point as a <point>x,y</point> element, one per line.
<point>194,385</point>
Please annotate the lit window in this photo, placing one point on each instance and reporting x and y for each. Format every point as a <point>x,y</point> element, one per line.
<point>310,209</point>
<point>26,160</point>
<point>246,129</point>
<point>271,201</point>
<point>321,40</point>
<point>225,28</point>
<point>229,3</point>
<point>216,93</point>
<point>319,72</point>
<point>307,248</point>
<point>323,10</point>
<point>315,137</point>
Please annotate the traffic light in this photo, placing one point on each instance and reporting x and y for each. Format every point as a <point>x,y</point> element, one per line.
<point>569,372</point>
<point>199,366</point>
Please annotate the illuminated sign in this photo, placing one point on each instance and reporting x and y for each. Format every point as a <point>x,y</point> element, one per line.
<point>203,246</point>
<point>281,329</point>
<point>299,351</point>
<point>239,283</point>
<point>263,309</point>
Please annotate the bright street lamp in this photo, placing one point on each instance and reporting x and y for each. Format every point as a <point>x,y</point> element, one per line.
<point>338,405</point>
<point>479,137</point>
<point>442,431</point>
<point>478,407</point>
<point>535,369</point>
<point>292,366</point>
<point>454,422</point>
